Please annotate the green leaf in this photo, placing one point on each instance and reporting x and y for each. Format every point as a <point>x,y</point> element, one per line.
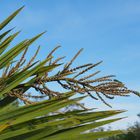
<point>88,136</point>
<point>74,132</point>
<point>7,42</point>
<point>4,34</point>
<point>45,69</point>
<point>12,53</point>
<point>21,77</point>
<point>6,21</point>
<point>28,109</point>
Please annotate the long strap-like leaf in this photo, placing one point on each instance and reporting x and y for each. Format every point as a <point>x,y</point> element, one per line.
<point>6,21</point>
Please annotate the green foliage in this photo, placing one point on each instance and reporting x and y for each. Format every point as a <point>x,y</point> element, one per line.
<point>131,133</point>
<point>41,121</point>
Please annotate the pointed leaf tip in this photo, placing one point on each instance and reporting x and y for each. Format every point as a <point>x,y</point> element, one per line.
<point>6,21</point>
<point>18,10</point>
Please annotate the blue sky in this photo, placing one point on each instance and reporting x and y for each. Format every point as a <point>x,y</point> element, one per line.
<point>107,30</point>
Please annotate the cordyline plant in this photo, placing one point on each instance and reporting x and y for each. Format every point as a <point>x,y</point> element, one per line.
<point>43,120</point>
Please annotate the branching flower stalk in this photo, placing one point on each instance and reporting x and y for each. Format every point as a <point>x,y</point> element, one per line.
<point>68,79</point>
